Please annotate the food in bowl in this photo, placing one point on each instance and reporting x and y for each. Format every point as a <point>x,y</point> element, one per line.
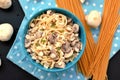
<point>53,39</point>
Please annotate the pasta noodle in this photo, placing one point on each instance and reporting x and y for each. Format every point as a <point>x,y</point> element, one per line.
<point>53,39</point>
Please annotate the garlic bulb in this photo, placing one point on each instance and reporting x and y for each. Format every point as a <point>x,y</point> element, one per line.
<point>5,4</point>
<point>6,31</point>
<point>93,19</point>
<point>82,1</point>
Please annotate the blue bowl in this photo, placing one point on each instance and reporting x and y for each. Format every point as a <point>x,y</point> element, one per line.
<point>82,37</point>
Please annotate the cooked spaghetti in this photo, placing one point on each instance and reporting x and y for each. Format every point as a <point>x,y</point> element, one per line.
<point>53,39</point>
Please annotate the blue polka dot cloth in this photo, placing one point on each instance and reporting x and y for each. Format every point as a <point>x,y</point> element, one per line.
<point>17,57</point>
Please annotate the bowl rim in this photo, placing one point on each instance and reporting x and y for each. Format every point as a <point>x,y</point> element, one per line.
<point>35,14</point>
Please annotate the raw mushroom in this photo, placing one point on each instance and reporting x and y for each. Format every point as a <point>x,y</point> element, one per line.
<point>82,1</point>
<point>93,19</point>
<point>75,28</point>
<point>67,55</point>
<point>6,31</point>
<point>60,65</point>
<point>5,4</point>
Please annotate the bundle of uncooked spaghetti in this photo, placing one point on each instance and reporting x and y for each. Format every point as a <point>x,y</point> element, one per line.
<point>94,61</point>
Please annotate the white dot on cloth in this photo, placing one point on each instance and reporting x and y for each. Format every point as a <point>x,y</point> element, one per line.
<point>40,9</point>
<point>15,47</point>
<point>117,38</point>
<point>32,73</point>
<point>48,74</point>
<point>71,76</point>
<point>23,68</point>
<point>85,10</point>
<point>72,69</point>
<point>35,1</point>
<point>31,15</point>
<point>97,28</point>
<point>78,77</point>
<point>18,54</point>
<point>39,70</point>
<point>58,78</point>
<point>115,45</point>
<point>101,5</point>
<point>118,31</point>
<point>41,77</point>
<point>94,4</point>
<point>30,66</point>
<point>11,57</point>
<point>87,3</point>
<point>42,2</point>
<point>94,35</point>
<point>33,9</point>
<point>100,13</point>
<point>49,4</point>
<point>19,61</point>
<point>27,0</point>
<point>56,5</point>
<point>63,74</point>
<point>19,37</point>
<point>113,52</point>
<point>26,7</point>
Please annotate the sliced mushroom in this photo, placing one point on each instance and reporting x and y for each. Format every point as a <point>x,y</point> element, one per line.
<point>69,28</point>
<point>47,53</point>
<point>52,38</point>
<point>72,37</point>
<point>61,65</point>
<point>52,64</point>
<point>53,54</point>
<point>40,53</point>
<point>66,47</point>
<point>27,43</point>
<point>32,25</point>
<point>69,20</point>
<point>78,46</point>
<point>75,28</point>
<point>74,42</point>
<point>46,65</point>
<point>67,55</point>
<point>50,12</point>
<point>38,34</point>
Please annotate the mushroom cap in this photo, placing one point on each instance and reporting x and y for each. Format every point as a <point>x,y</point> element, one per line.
<point>60,66</point>
<point>5,4</point>
<point>6,31</point>
<point>67,55</point>
<point>93,19</point>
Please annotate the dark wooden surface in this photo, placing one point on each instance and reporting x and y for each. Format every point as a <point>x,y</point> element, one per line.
<point>9,71</point>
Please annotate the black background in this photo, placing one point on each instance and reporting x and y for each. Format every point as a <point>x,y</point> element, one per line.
<point>9,71</point>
